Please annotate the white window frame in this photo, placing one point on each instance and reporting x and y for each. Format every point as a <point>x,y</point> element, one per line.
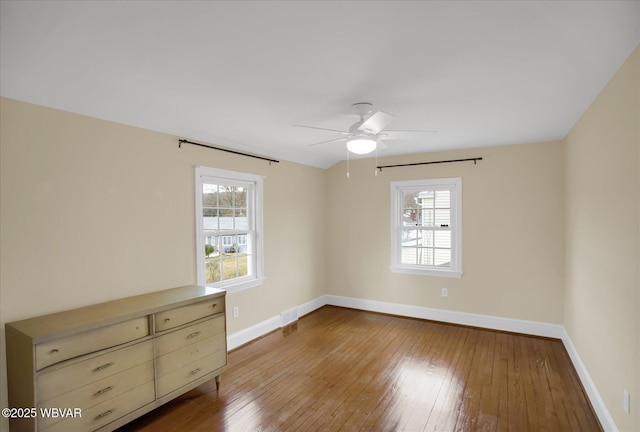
<point>455,186</point>
<point>204,174</point>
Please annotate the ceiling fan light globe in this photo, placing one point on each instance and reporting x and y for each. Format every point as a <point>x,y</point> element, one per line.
<point>361,145</point>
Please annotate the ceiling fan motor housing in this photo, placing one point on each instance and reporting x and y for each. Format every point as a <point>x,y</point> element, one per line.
<point>362,108</point>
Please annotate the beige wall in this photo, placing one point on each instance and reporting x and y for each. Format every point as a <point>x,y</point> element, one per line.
<point>93,210</point>
<point>602,308</point>
<point>513,233</point>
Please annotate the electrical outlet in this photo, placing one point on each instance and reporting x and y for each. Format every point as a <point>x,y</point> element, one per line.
<point>236,312</point>
<point>625,402</point>
<point>445,292</point>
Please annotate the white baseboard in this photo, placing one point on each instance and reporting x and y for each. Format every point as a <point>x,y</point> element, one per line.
<point>254,332</point>
<point>534,328</point>
<point>485,321</point>
<point>589,387</point>
<point>309,307</point>
<point>262,328</point>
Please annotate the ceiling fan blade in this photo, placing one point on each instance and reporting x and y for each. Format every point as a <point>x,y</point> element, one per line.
<point>327,142</point>
<point>376,122</point>
<point>324,129</point>
<point>411,130</point>
<point>404,134</point>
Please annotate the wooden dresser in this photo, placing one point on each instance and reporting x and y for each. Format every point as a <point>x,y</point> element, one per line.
<point>100,366</point>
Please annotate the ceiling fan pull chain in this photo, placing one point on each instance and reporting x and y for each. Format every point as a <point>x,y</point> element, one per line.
<point>348,163</point>
<point>375,173</point>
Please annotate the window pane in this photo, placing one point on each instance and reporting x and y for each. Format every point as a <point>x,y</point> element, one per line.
<point>241,221</point>
<point>209,206</point>
<point>410,200</point>
<point>425,199</point>
<point>225,221</point>
<point>443,199</point>
<point>226,212</point>
<point>417,255</point>
<point>426,239</point>
<point>426,256</point>
<point>212,270</point>
<point>442,239</point>
<point>228,266</point>
<point>209,195</point>
<point>235,256</point>
<point>442,217</point>
<point>409,255</point>
<point>243,268</point>
<point>425,217</point>
<point>410,217</point>
<point>235,264</point>
<point>211,246</point>
<point>240,198</point>
<point>225,196</point>
<point>209,221</point>
<point>210,211</point>
<point>410,238</point>
<point>442,257</point>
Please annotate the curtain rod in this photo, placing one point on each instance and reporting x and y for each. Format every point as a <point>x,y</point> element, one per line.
<point>183,141</point>
<point>475,161</point>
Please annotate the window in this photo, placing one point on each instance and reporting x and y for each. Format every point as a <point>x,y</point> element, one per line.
<point>426,227</point>
<point>228,228</point>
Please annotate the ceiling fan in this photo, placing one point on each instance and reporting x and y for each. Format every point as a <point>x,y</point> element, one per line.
<point>364,135</point>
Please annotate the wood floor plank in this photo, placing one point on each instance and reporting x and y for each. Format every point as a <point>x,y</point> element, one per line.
<point>350,370</point>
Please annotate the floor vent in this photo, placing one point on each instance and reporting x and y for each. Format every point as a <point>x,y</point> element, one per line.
<point>289,316</point>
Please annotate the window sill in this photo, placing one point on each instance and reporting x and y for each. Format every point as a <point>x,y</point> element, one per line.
<point>240,286</point>
<point>427,272</point>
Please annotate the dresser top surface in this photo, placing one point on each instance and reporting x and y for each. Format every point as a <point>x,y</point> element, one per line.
<point>86,318</point>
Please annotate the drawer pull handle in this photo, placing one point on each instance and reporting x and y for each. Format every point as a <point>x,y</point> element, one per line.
<point>192,335</point>
<point>103,367</point>
<point>214,305</point>
<point>54,351</point>
<point>103,415</point>
<point>195,371</point>
<point>103,391</point>
<point>167,320</point>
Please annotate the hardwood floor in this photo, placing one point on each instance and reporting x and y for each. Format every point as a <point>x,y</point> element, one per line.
<point>350,370</point>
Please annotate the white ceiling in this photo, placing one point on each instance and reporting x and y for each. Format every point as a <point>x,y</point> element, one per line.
<point>241,74</point>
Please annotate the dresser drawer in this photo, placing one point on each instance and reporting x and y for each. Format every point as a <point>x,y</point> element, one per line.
<point>174,359</point>
<point>99,391</point>
<point>176,317</point>
<point>51,383</point>
<point>189,335</point>
<point>190,372</point>
<point>90,341</point>
<point>106,412</point>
